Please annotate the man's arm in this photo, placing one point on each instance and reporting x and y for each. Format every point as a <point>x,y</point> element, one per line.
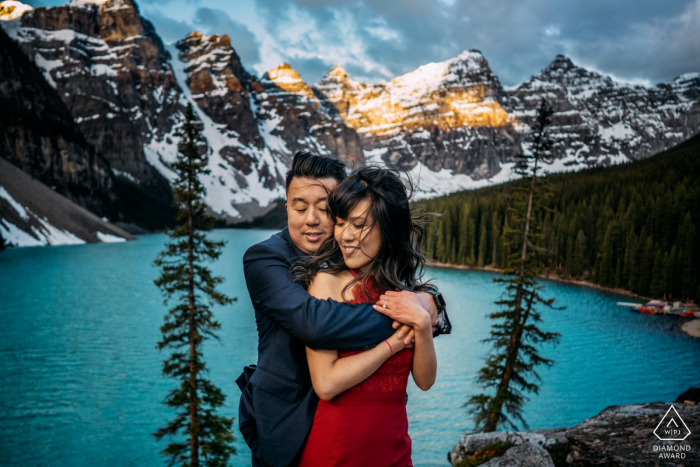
<point>318,324</point>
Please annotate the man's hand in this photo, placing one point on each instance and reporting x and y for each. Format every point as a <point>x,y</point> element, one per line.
<point>406,308</point>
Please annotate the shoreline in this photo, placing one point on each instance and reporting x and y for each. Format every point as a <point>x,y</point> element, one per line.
<point>547,277</point>
<point>692,328</point>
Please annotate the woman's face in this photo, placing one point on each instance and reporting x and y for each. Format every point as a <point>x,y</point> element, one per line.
<point>358,238</point>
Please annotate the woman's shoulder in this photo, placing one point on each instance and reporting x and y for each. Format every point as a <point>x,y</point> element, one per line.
<point>329,286</point>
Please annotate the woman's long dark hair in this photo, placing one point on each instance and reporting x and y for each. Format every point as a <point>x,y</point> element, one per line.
<point>399,262</point>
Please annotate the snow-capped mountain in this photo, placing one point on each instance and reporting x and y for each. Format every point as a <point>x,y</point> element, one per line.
<point>599,121</point>
<point>445,116</point>
<point>252,127</point>
<point>456,127</point>
<point>110,68</point>
<point>49,174</point>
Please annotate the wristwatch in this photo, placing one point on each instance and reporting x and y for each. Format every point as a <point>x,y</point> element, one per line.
<point>443,325</point>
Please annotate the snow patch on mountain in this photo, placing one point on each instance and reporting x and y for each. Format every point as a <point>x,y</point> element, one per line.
<point>107,238</point>
<point>11,9</point>
<point>45,234</point>
<point>15,205</point>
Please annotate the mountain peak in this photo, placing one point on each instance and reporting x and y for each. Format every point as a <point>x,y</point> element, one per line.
<point>287,78</point>
<point>11,9</point>
<point>283,73</point>
<point>561,62</point>
<point>337,72</point>
<point>111,4</point>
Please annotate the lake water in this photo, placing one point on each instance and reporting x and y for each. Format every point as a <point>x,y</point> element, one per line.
<point>82,382</point>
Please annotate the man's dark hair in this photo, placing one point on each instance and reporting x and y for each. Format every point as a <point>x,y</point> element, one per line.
<point>310,165</point>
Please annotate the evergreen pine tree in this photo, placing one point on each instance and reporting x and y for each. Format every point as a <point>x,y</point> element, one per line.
<point>483,238</point>
<point>686,241</point>
<point>658,275</point>
<point>646,265</point>
<point>580,253</point>
<point>570,255</point>
<point>186,281</point>
<point>605,270</point>
<point>495,236</point>
<point>514,333</point>
<point>463,234</point>
<point>471,241</point>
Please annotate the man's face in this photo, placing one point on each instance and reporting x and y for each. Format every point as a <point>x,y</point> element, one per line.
<point>307,215</point>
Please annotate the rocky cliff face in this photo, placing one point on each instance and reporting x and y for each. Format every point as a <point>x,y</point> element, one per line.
<point>291,110</point>
<point>598,121</point>
<point>253,127</point>
<point>111,70</point>
<point>38,134</point>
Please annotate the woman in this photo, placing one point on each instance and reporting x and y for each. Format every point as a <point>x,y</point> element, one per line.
<point>361,418</point>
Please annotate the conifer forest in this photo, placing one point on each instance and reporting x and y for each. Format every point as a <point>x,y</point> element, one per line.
<point>632,226</point>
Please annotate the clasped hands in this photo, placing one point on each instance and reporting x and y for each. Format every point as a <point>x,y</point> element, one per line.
<point>410,311</point>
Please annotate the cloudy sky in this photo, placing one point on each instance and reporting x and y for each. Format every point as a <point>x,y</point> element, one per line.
<point>640,41</point>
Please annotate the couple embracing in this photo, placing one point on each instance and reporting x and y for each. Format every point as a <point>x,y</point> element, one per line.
<point>342,316</point>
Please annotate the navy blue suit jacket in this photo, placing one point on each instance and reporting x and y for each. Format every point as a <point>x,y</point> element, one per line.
<point>288,319</point>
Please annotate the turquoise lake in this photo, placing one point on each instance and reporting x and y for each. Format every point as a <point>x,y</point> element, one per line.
<point>82,382</point>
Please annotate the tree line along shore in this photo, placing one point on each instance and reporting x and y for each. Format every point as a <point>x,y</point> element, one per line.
<point>631,227</point>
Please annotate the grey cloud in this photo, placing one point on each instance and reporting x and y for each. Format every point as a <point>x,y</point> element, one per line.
<point>627,38</point>
<point>215,21</point>
<point>310,69</point>
<point>168,29</point>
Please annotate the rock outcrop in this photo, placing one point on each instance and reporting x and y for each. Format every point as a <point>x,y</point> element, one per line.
<point>471,444</point>
<point>522,455</point>
<point>626,435</point>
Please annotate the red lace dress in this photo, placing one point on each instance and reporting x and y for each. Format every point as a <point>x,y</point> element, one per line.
<point>367,424</point>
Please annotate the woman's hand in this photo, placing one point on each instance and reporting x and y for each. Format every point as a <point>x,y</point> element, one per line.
<point>404,307</point>
<point>397,345</point>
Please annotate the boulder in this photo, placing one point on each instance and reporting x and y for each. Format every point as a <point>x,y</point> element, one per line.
<point>523,455</point>
<point>624,435</point>
<point>692,394</point>
<point>471,443</point>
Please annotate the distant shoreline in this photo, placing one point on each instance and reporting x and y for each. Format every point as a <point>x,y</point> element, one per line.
<point>692,328</point>
<point>542,276</point>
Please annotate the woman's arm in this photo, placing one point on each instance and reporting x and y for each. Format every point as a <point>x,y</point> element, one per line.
<point>331,375</point>
<point>424,369</point>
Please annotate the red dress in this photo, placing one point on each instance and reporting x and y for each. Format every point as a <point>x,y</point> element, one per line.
<point>367,424</point>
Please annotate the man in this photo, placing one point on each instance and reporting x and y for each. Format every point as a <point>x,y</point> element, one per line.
<point>278,402</point>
